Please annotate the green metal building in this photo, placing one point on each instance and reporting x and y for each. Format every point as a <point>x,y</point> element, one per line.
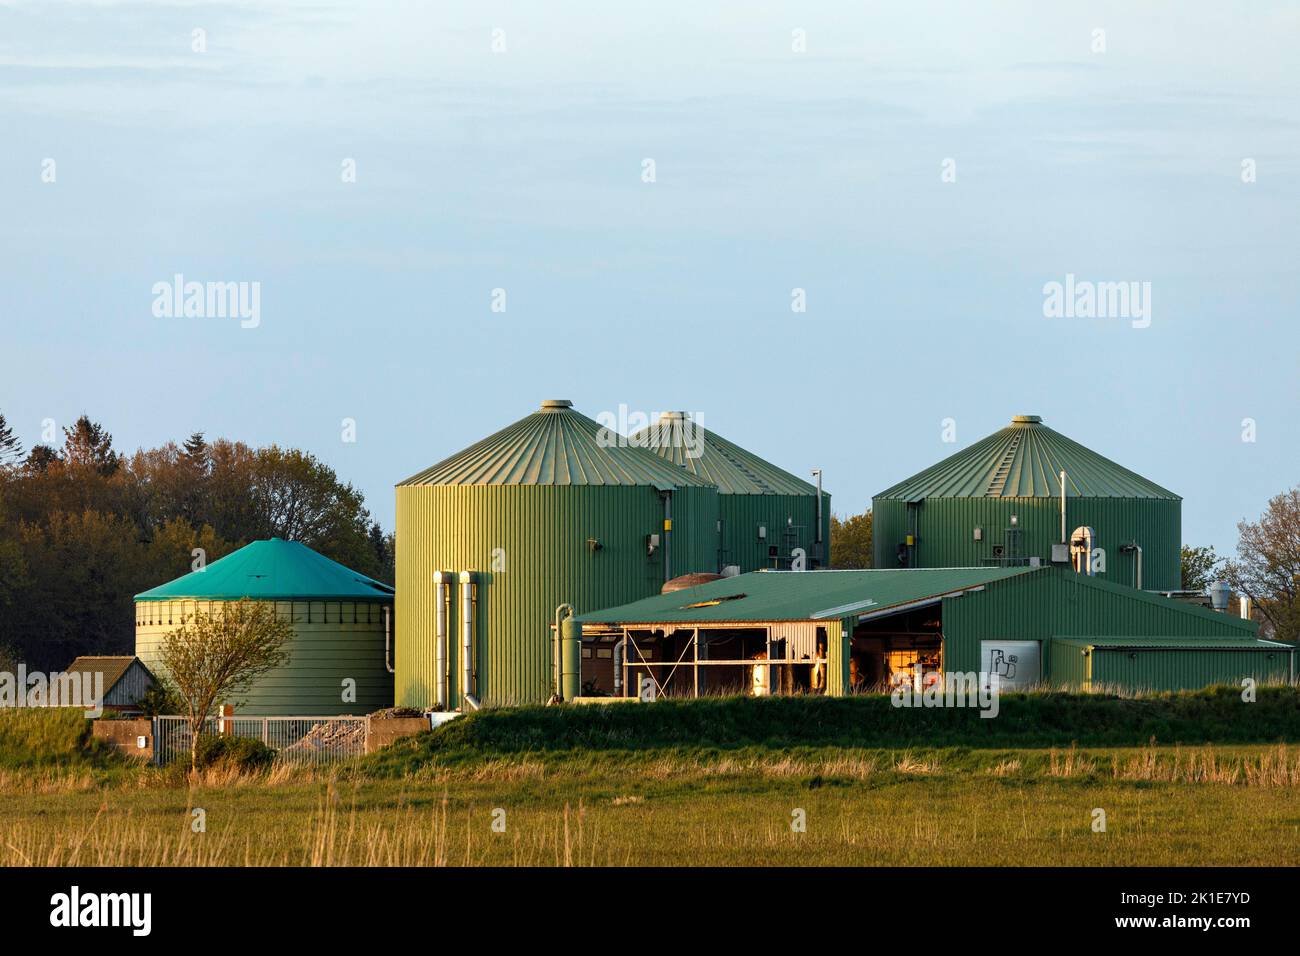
<point>552,510</point>
<point>767,514</point>
<point>999,502</point>
<point>338,655</point>
<point>1165,663</point>
<point>873,628</point>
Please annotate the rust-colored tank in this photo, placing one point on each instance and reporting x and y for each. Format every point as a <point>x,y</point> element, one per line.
<point>684,581</point>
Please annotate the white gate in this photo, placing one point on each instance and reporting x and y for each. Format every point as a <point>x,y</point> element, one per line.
<point>294,739</point>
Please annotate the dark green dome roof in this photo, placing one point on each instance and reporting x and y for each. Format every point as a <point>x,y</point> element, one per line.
<point>735,470</point>
<point>556,445</point>
<point>1024,460</point>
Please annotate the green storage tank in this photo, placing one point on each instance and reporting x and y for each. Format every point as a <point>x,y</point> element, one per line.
<point>765,512</point>
<point>999,502</point>
<point>549,511</point>
<point>341,627</point>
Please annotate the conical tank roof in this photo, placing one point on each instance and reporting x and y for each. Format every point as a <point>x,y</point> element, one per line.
<point>707,455</point>
<point>1024,460</point>
<point>556,445</point>
<point>272,570</point>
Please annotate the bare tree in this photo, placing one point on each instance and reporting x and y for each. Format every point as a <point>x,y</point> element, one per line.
<point>217,655</point>
<point>1267,567</point>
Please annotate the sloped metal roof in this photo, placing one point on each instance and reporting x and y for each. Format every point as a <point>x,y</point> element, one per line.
<point>707,455</point>
<point>1024,460</point>
<point>801,595</point>
<point>272,570</point>
<point>556,445</point>
<point>113,668</point>
<point>1221,643</point>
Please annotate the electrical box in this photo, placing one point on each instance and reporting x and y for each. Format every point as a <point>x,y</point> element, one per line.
<point>1060,554</point>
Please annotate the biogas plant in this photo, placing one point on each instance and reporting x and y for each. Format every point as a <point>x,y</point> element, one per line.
<point>555,560</point>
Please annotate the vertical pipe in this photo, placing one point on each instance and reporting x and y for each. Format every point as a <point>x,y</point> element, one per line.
<point>818,552</point>
<point>562,612</point>
<point>618,666</point>
<point>467,641</point>
<point>388,638</point>
<point>668,534</point>
<point>1063,541</point>
<point>442,598</point>
<point>571,679</point>
<point>1138,548</point>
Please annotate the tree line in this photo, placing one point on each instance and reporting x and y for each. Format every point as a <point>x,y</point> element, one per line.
<point>85,527</point>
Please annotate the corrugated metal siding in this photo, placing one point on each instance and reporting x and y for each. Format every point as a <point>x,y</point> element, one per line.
<point>343,640</point>
<point>1067,664</point>
<point>1177,669</point>
<point>742,514</point>
<point>1051,602</point>
<point>540,532</point>
<point>945,532</point>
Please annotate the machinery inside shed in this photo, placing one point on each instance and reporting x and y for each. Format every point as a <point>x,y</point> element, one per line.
<point>902,648</point>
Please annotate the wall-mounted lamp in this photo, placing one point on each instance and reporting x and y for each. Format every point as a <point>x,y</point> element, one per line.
<point>651,544</point>
<point>594,545</point>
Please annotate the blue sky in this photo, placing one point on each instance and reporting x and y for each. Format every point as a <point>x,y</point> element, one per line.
<point>774,170</point>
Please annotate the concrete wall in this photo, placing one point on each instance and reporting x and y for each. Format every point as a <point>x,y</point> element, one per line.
<point>381,732</point>
<point>123,736</point>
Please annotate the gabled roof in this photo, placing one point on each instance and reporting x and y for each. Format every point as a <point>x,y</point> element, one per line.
<point>707,455</point>
<point>272,570</point>
<point>113,668</point>
<point>1024,460</point>
<point>802,595</point>
<point>556,446</point>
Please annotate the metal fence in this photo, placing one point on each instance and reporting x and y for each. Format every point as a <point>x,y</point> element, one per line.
<point>299,740</point>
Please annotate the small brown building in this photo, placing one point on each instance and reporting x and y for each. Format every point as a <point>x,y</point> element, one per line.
<point>126,679</point>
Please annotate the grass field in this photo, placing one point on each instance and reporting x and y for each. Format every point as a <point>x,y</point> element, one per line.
<point>598,790</point>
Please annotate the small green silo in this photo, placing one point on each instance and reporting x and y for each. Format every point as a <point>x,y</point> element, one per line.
<point>999,502</point>
<point>341,627</point>
<point>552,510</point>
<point>766,513</point>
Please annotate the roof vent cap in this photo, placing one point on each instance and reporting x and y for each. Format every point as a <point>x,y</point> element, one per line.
<point>556,403</point>
<point>1026,419</point>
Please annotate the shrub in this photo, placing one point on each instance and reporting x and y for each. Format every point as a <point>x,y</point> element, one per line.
<point>238,753</point>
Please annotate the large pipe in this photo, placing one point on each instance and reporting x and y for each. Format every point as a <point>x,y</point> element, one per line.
<point>561,613</point>
<point>442,597</point>
<point>467,609</point>
<point>1137,567</point>
<point>619,650</point>
<point>571,678</point>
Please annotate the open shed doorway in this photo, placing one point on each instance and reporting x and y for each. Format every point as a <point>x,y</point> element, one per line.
<point>902,648</point>
<point>756,660</point>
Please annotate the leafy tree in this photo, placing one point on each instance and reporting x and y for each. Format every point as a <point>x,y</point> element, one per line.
<point>1267,566</point>
<point>1200,567</point>
<point>89,445</point>
<point>40,458</point>
<point>11,449</point>
<point>215,656</point>
<point>851,541</point>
